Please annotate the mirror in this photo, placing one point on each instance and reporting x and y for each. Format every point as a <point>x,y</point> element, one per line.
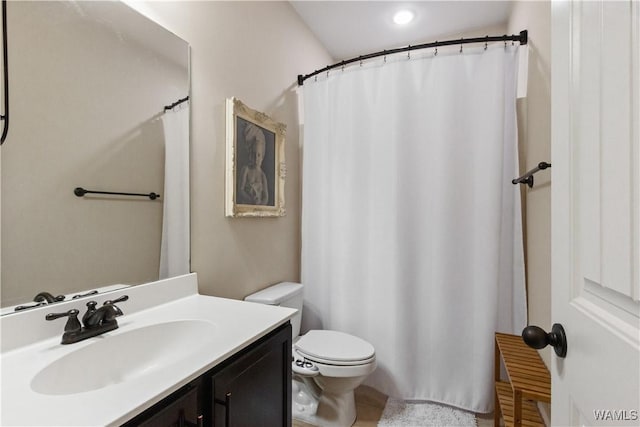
<point>88,83</point>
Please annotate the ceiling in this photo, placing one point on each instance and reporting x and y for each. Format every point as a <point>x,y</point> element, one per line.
<point>351,28</point>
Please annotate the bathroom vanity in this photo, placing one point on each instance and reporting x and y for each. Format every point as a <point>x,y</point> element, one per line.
<point>177,358</point>
<point>253,387</point>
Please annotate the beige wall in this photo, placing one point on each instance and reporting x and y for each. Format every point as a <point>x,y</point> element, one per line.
<point>534,128</point>
<point>232,43</point>
<point>253,51</point>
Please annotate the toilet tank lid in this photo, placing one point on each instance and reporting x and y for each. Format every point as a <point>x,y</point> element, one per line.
<point>276,294</point>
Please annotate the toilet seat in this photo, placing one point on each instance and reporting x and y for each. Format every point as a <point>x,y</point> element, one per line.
<point>334,348</point>
<point>331,369</point>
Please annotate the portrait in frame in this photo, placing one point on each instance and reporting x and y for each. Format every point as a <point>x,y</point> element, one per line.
<point>255,166</point>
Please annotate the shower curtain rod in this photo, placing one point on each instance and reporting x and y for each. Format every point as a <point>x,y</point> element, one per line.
<point>175,104</point>
<point>522,38</point>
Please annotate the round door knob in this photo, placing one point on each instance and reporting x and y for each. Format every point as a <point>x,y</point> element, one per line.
<point>537,338</point>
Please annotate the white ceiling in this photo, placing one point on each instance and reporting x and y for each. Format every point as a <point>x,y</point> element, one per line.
<point>351,28</point>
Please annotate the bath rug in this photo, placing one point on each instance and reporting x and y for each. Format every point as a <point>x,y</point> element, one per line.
<point>398,413</point>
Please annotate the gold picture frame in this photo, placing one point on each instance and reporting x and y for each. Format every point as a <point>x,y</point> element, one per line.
<point>255,166</point>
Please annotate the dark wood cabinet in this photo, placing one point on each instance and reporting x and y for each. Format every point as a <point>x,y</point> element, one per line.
<point>182,408</point>
<point>254,388</point>
<point>251,388</point>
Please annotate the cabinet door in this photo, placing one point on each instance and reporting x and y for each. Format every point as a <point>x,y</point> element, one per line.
<point>254,389</point>
<point>181,409</point>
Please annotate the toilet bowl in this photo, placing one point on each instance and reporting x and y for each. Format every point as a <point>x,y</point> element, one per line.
<point>327,365</point>
<point>337,363</point>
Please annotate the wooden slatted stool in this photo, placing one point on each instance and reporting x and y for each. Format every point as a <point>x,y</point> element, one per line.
<point>529,381</point>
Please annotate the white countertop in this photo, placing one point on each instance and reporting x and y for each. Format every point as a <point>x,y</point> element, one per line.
<point>236,325</point>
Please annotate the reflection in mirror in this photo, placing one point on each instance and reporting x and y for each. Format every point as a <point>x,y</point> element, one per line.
<point>88,84</point>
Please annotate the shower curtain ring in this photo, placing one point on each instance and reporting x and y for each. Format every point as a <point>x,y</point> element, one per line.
<point>461,45</point>
<point>486,44</point>
<point>409,52</point>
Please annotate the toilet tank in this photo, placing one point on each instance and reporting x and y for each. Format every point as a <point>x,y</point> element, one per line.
<point>284,294</point>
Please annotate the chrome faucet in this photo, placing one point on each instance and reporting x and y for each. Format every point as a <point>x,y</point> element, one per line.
<point>96,321</point>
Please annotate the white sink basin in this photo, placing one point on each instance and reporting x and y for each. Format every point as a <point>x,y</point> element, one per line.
<point>113,359</point>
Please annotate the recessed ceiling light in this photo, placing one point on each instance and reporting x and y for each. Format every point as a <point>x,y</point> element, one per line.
<point>403,17</point>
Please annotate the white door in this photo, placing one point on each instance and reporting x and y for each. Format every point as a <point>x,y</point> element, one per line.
<point>595,215</point>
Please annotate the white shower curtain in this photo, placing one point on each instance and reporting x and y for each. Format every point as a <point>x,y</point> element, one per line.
<point>411,228</point>
<point>174,251</point>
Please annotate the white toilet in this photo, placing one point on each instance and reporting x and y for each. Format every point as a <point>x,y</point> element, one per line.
<point>327,365</point>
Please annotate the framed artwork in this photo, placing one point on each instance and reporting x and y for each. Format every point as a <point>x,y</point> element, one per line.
<point>255,167</point>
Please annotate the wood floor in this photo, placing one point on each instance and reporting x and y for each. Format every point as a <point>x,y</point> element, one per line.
<point>370,404</point>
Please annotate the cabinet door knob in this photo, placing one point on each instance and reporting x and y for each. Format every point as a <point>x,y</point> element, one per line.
<point>536,337</point>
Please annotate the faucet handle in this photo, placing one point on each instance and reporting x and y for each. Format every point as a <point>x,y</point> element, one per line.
<point>115,312</point>
<point>73,324</point>
<point>71,313</point>
<point>94,292</point>
<point>121,299</point>
<point>24,307</point>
